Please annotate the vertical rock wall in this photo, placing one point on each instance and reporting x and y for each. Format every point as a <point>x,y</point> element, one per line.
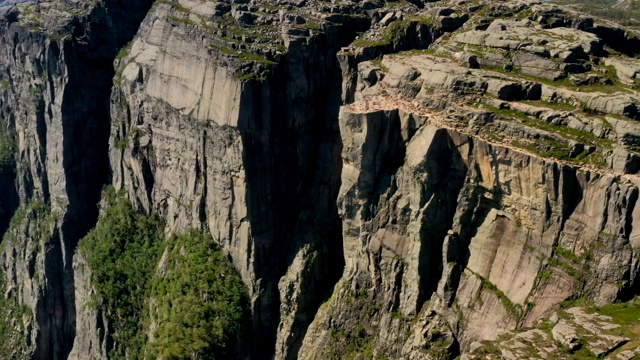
<point>376,230</point>
<point>256,164</point>
<point>56,75</point>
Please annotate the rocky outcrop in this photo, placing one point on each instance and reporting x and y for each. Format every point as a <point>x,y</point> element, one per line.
<point>591,327</point>
<point>575,330</point>
<point>465,209</point>
<point>91,339</point>
<point>390,180</point>
<point>448,212</point>
<point>7,4</point>
<point>626,5</point>
<point>256,165</point>
<point>60,127</point>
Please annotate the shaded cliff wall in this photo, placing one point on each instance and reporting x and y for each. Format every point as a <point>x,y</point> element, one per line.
<point>257,160</point>
<point>56,76</point>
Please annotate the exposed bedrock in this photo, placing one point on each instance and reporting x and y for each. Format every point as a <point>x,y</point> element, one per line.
<point>252,160</point>
<point>58,123</point>
<point>439,224</point>
<point>400,180</point>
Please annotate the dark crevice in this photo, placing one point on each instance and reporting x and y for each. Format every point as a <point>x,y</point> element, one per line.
<point>383,153</point>
<point>446,173</point>
<point>632,285</point>
<point>85,126</point>
<point>291,156</point>
<point>572,192</point>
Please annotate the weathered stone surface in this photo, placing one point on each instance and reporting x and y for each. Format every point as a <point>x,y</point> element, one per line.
<point>628,354</point>
<point>440,221</point>
<point>566,335</point>
<point>574,330</point>
<point>60,121</point>
<point>229,103</point>
<point>91,342</point>
<point>377,202</point>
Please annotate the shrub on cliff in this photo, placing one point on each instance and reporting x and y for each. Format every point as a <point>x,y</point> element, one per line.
<point>198,301</point>
<point>122,251</point>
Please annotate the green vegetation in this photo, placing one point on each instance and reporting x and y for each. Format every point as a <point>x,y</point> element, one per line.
<point>542,125</point>
<point>249,56</point>
<point>549,147</point>
<point>31,226</point>
<point>572,264</point>
<point>560,106</point>
<point>622,313</point>
<point>260,68</point>
<point>12,344</point>
<point>33,91</point>
<point>181,20</point>
<point>566,254</point>
<point>582,353</point>
<point>625,314</point>
<point>176,5</point>
<point>509,70</point>
<point>7,149</point>
<point>396,31</point>
<point>605,235</point>
<point>122,251</point>
<point>314,25</point>
<point>508,304</point>
<point>393,4</point>
<point>224,49</point>
<point>200,301</point>
<point>378,62</point>
<point>124,51</point>
<point>440,349</point>
<point>351,344</point>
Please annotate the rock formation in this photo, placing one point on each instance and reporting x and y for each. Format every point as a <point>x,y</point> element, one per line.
<point>391,180</point>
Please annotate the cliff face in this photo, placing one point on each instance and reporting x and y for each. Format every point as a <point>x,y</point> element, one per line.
<point>255,160</point>
<point>456,227</point>
<point>397,182</point>
<point>467,236</point>
<point>57,123</point>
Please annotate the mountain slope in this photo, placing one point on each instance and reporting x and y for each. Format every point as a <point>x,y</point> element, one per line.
<point>389,180</point>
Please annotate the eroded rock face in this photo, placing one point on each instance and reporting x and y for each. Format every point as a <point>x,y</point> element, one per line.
<point>495,224</point>
<point>401,181</point>
<point>257,155</point>
<point>59,125</point>
<point>445,213</point>
<point>568,331</point>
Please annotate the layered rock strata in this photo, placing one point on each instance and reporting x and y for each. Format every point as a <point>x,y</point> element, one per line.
<point>390,180</point>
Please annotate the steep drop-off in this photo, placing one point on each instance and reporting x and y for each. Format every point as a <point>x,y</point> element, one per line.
<point>56,79</point>
<point>395,180</point>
